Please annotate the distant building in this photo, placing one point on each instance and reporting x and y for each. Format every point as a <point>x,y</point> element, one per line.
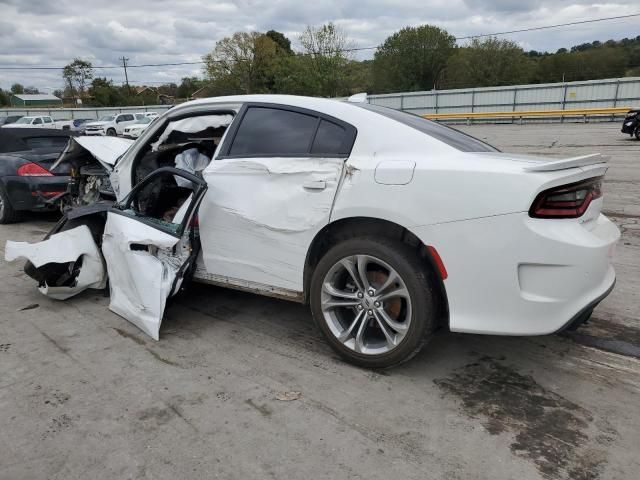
<point>35,100</point>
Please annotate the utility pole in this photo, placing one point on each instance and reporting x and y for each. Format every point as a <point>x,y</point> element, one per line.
<point>126,78</point>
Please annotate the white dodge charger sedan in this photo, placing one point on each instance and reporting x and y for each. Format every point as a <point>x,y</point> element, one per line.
<point>388,225</point>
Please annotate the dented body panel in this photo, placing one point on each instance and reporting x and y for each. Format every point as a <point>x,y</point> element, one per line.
<point>260,215</point>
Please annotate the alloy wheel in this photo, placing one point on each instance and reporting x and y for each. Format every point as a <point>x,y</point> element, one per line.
<point>366,304</point>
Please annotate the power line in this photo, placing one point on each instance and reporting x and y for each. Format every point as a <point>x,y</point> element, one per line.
<point>549,26</point>
<point>344,50</point>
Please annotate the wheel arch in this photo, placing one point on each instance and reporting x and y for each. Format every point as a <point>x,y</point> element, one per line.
<point>352,227</point>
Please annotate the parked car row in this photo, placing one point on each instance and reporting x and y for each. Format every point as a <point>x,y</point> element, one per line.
<point>111,125</point>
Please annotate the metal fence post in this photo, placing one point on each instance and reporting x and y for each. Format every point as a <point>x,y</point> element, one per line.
<point>515,100</point>
<point>436,99</point>
<point>615,97</point>
<point>473,100</point>
<point>564,102</point>
<point>402,102</point>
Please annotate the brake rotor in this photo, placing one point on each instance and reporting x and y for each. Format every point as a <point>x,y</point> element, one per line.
<point>392,306</point>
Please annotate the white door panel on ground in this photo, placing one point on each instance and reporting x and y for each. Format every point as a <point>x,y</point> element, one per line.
<point>260,215</point>
<point>139,281</point>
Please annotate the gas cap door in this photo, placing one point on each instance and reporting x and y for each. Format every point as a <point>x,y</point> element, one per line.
<point>394,172</point>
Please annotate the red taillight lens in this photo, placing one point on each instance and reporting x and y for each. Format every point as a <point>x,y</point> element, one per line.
<point>33,170</point>
<point>567,201</point>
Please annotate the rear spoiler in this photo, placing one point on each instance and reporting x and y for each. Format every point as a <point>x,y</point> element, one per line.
<point>565,163</point>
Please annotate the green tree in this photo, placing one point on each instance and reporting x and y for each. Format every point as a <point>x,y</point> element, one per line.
<point>104,93</point>
<point>412,59</point>
<point>486,63</point>
<point>584,64</point>
<point>4,98</point>
<point>188,86</point>
<point>327,46</point>
<point>242,63</point>
<point>282,42</point>
<point>17,89</point>
<point>31,90</point>
<point>77,76</point>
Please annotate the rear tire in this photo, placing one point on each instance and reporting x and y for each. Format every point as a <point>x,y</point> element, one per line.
<point>111,132</point>
<point>7,213</point>
<point>391,312</point>
<point>637,132</point>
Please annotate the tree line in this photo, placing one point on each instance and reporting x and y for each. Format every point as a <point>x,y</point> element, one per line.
<point>411,59</point>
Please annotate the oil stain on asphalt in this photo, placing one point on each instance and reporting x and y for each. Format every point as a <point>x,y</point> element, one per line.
<point>558,436</point>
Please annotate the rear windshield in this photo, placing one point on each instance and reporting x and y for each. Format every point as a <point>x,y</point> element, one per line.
<point>452,137</point>
<point>46,142</point>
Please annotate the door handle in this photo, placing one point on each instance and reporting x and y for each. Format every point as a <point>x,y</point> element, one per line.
<point>315,184</point>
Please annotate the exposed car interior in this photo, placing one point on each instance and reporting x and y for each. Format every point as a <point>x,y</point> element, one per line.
<point>188,144</point>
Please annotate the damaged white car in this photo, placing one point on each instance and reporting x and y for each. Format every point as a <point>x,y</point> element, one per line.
<point>387,224</point>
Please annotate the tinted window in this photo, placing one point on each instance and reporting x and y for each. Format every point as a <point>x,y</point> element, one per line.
<point>452,137</point>
<point>269,131</point>
<point>37,121</point>
<point>329,139</point>
<point>47,120</point>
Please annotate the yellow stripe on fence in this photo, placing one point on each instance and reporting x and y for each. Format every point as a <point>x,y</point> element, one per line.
<point>583,112</point>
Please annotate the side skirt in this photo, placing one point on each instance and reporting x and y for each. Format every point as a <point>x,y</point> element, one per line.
<point>202,276</point>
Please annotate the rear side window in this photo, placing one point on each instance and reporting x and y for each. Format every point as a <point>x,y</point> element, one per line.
<point>269,131</point>
<point>452,137</point>
<point>37,121</point>
<point>329,139</point>
<point>47,120</point>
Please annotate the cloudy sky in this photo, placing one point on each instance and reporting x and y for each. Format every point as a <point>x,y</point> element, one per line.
<point>53,32</point>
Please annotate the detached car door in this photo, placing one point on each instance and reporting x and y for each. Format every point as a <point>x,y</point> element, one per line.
<point>272,186</point>
<point>149,245</point>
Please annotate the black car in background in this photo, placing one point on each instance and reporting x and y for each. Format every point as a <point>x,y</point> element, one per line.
<point>10,119</point>
<point>631,123</point>
<point>26,154</point>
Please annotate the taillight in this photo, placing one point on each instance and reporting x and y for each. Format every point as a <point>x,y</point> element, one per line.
<point>33,170</point>
<point>567,201</point>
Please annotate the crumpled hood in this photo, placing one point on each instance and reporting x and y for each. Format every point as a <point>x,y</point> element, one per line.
<point>106,150</point>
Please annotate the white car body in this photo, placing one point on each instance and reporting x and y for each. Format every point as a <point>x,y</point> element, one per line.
<point>112,124</point>
<point>43,121</point>
<point>501,270</point>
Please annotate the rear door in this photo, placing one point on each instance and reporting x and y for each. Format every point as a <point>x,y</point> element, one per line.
<point>149,245</point>
<point>272,186</point>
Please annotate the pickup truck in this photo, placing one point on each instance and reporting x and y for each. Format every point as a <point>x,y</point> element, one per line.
<point>112,125</point>
<point>44,121</point>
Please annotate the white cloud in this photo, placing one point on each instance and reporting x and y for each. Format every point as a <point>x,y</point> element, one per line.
<point>52,33</point>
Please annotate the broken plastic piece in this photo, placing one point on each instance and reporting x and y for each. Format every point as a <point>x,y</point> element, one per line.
<point>74,247</point>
